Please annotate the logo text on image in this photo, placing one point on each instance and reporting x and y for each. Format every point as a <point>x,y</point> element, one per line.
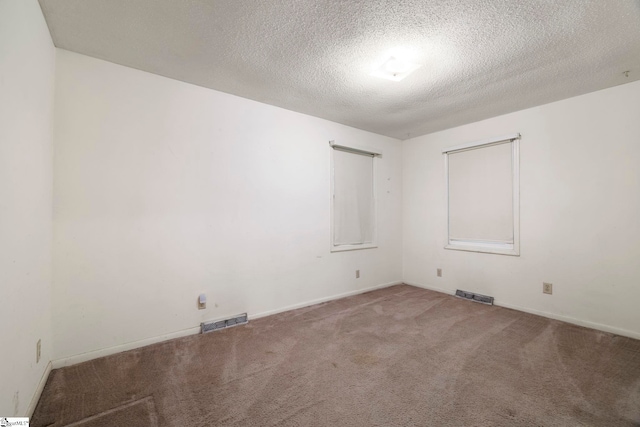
<point>14,421</point>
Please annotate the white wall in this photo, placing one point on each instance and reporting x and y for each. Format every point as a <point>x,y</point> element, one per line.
<point>165,190</point>
<point>27,66</point>
<point>580,211</point>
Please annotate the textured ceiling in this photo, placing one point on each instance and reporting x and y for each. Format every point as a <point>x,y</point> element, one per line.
<point>480,58</point>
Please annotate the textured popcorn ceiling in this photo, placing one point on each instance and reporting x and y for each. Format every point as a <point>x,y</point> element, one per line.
<point>480,58</point>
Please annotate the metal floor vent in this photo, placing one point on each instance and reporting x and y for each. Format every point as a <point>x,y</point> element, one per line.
<point>474,297</point>
<point>216,325</point>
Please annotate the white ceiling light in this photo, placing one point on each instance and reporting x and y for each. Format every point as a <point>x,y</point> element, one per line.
<point>394,68</point>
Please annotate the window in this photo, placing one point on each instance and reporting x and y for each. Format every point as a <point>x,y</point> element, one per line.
<point>483,196</point>
<point>353,199</point>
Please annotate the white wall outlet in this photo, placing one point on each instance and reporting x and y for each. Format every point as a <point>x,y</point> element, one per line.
<point>357,274</point>
<point>439,272</point>
<point>547,288</point>
<point>38,350</point>
<point>16,403</point>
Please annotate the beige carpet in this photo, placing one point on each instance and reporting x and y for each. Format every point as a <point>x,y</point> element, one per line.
<point>400,356</point>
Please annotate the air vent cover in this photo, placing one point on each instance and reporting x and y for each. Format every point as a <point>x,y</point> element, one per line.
<point>216,325</point>
<point>474,297</point>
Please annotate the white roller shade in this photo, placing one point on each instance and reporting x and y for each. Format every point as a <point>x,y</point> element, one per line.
<point>353,204</point>
<point>481,194</point>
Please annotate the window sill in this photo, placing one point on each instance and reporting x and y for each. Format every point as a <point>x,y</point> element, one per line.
<point>488,248</point>
<point>343,248</point>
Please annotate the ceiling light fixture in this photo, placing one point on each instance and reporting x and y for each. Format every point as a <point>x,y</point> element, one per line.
<point>395,69</point>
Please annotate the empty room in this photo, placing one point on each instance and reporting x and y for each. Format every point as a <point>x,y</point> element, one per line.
<point>319,213</point>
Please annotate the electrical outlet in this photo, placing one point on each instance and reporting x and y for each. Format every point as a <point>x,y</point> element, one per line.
<point>357,274</point>
<point>16,403</point>
<point>439,272</point>
<point>202,302</point>
<point>38,350</point>
<point>547,288</point>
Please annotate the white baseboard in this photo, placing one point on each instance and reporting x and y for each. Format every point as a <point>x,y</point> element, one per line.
<point>573,320</point>
<point>321,300</point>
<point>562,318</point>
<point>431,288</point>
<point>90,355</point>
<point>83,357</point>
<point>36,395</point>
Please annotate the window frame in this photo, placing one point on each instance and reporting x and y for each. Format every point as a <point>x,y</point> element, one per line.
<point>488,246</point>
<point>375,155</point>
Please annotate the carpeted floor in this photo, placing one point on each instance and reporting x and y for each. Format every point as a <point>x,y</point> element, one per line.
<point>400,356</point>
